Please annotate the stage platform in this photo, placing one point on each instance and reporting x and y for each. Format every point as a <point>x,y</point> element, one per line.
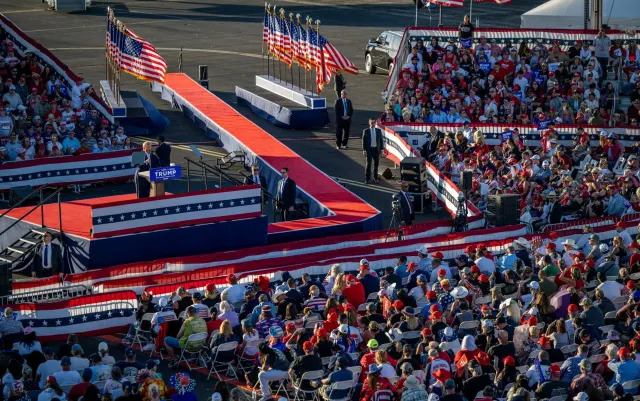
<point>334,209</point>
<point>280,111</point>
<point>99,232</point>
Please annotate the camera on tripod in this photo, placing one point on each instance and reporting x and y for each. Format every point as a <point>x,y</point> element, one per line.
<point>395,203</point>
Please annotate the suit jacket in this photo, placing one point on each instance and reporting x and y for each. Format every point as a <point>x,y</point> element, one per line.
<point>339,107</point>
<point>56,258</point>
<point>249,181</point>
<point>154,163</point>
<point>406,210</point>
<point>338,83</point>
<point>163,151</point>
<point>366,140</point>
<point>288,196</point>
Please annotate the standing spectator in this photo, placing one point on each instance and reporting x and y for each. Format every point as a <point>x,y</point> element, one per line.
<point>601,45</point>
<point>344,112</point>
<point>47,368</point>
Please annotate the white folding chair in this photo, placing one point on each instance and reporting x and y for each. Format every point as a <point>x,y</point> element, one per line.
<point>341,386</point>
<point>246,364</point>
<point>631,386</point>
<point>483,300</point>
<point>192,350</point>
<point>297,386</point>
<point>356,370</point>
<point>372,297</point>
<point>635,276</point>
<point>611,315</point>
<point>143,334</point>
<point>383,347</point>
<point>606,329</point>
<point>569,349</point>
<point>225,367</point>
<point>468,327</point>
<point>597,358</point>
<point>411,337</point>
<point>522,369</point>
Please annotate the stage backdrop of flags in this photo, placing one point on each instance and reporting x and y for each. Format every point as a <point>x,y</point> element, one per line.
<point>128,52</point>
<point>293,41</point>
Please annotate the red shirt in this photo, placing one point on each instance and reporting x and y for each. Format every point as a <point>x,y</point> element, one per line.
<point>355,293</point>
<point>507,66</point>
<point>78,391</point>
<point>213,325</point>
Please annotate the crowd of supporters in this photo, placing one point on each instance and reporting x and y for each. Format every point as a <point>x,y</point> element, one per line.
<point>41,116</point>
<point>514,83</point>
<point>547,319</point>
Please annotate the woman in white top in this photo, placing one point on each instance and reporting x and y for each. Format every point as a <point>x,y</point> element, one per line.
<point>14,372</point>
<point>331,277</point>
<point>228,313</point>
<point>386,370</point>
<point>559,336</point>
<point>250,339</point>
<point>103,350</point>
<point>52,390</point>
<point>28,344</point>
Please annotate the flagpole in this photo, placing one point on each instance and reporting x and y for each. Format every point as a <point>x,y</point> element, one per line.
<point>470,9</point>
<point>262,41</point>
<point>308,53</point>
<point>299,55</point>
<point>319,55</point>
<point>275,16</point>
<point>440,25</point>
<point>416,23</point>
<point>283,16</point>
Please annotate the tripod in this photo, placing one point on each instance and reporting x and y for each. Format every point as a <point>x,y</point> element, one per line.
<point>394,226</point>
<point>460,223</point>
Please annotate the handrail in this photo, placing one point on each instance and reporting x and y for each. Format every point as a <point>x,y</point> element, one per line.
<point>214,169</point>
<point>47,295</point>
<point>22,201</point>
<point>42,202</point>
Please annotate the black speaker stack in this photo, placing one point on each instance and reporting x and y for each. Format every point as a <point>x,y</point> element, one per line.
<point>466,178</point>
<point>5,279</point>
<point>504,209</point>
<point>413,171</point>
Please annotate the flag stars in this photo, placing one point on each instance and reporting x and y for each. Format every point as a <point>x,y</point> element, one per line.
<point>253,200</point>
<point>199,207</point>
<point>121,313</point>
<point>231,203</point>
<point>71,320</point>
<point>221,204</point>
<point>99,221</point>
<point>58,322</point>
<point>188,208</point>
<point>144,214</point>
<point>242,202</point>
<point>210,205</point>
<point>155,212</point>
<point>31,323</point>
<point>109,314</point>
<point>122,217</point>
<point>48,173</point>
<point>44,323</point>
<point>97,316</point>
<point>166,211</point>
<point>133,215</point>
<point>111,219</point>
<point>177,209</point>
<point>84,318</point>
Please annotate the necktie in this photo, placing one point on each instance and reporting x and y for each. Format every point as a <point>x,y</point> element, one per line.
<point>374,142</point>
<point>46,256</point>
<point>408,202</point>
<point>256,179</point>
<point>281,188</point>
<point>344,103</point>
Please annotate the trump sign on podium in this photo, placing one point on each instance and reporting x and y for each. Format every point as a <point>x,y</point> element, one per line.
<point>165,173</point>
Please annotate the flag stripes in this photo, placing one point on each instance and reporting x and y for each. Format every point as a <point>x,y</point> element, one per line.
<point>447,3</point>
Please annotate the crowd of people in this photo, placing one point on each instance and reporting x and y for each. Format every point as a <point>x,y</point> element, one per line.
<point>548,319</point>
<point>41,116</point>
<point>515,83</point>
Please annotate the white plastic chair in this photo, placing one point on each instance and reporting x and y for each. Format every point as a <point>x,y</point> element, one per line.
<point>341,386</point>
<point>225,367</point>
<point>356,370</point>
<point>297,386</point>
<point>483,300</point>
<point>468,327</point>
<point>631,386</point>
<point>610,315</point>
<point>569,349</point>
<point>192,350</point>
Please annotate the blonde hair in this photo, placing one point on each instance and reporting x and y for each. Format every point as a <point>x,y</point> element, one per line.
<point>513,311</point>
<point>478,137</point>
<point>381,357</point>
<point>225,329</point>
<point>225,306</point>
<point>611,351</point>
<point>339,284</point>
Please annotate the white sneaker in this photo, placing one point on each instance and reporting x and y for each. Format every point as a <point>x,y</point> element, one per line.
<point>149,347</point>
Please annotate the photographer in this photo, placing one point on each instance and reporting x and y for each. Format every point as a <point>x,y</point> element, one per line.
<point>403,201</point>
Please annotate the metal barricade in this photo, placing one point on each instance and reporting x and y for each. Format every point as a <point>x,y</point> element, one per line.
<point>49,295</point>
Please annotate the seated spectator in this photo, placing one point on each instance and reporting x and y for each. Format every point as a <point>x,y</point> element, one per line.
<point>129,366</point>
<point>78,360</point>
<point>84,388</point>
<point>308,362</point>
<point>101,371</point>
<point>192,325</point>
<point>52,390</point>
<point>9,325</point>
<point>67,376</point>
<point>29,344</point>
<point>340,374</point>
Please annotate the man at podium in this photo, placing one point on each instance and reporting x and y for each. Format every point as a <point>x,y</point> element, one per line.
<point>143,185</point>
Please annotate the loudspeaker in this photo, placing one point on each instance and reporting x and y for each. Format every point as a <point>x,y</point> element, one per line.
<point>505,208</point>
<point>466,177</point>
<point>413,170</point>
<point>5,279</point>
<point>387,174</point>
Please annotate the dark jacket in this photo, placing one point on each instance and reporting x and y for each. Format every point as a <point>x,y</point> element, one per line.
<point>339,107</point>
<point>57,264</point>
<point>366,140</point>
<point>163,152</point>
<point>406,210</point>
<point>288,196</point>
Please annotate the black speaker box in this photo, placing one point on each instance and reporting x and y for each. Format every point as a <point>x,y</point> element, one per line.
<point>466,178</point>
<point>5,279</point>
<point>505,208</point>
<point>387,174</point>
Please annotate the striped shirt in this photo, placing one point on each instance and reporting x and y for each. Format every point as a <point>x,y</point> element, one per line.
<point>316,303</point>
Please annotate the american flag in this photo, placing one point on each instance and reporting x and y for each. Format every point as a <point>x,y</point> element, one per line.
<point>447,3</point>
<point>265,29</point>
<point>113,39</point>
<point>493,1</point>
<point>88,315</point>
<point>323,72</point>
<point>283,40</point>
<point>140,58</point>
<point>295,42</point>
<point>336,60</point>
<point>149,214</point>
<point>304,47</point>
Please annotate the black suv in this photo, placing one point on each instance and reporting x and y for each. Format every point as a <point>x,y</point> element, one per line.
<point>381,51</point>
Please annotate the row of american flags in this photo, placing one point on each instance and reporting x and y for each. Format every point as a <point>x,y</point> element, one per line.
<point>132,54</point>
<point>460,3</point>
<point>291,41</point>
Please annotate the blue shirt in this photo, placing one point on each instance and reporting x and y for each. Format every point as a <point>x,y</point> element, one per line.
<point>402,271</point>
<point>570,368</point>
<point>625,371</point>
<point>336,376</point>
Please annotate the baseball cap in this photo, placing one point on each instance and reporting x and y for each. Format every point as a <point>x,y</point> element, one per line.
<point>87,373</point>
<point>307,346</point>
<point>534,285</point>
<point>129,351</point>
<point>372,344</point>
<point>65,361</point>
<point>572,308</point>
<point>449,384</point>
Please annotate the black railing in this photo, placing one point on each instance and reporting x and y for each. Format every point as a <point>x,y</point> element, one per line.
<point>39,205</point>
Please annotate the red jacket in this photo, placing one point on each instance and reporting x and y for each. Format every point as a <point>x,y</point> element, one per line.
<point>382,383</point>
<point>355,293</point>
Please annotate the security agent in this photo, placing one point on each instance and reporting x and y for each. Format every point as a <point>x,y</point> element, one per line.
<point>406,206</point>
<point>371,148</point>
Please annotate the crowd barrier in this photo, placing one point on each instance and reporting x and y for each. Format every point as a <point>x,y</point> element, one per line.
<point>24,42</point>
<point>529,134</point>
<point>566,38</point>
<point>86,315</point>
<point>67,170</point>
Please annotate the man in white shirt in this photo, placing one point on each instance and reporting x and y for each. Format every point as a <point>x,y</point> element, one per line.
<point>610,288</point>
<point>78,361</point>
<point>67,376</point>
<point>78,91</point>
<point>486,265</point>
<point>47,368</point>
<point>622,233</point>
<point>235,293</point>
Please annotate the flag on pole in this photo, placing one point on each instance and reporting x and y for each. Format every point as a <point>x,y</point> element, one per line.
<point>140,58</point>
<point>323,72</point>
<point>286,39</point>
<point>265,29</point>
<point>295,42</point>
<point>334,59</point>
<point>304,47</point>
<point>493,1</point>
<point>447,3</point>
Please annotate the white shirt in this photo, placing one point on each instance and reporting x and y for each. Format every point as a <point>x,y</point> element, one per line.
<point>611,289</point>
<point>76,94</point>
<point>24,349</point>
<point>48,394</point>
<point>374,138</point>
<point>486,265</point>
<point>533,375</point>
<point>46,369</point>
<point>78,363</point>
<point>626,238</point>
<point>434,274</point>
<point>68,378</point>
<point>233,294</point>
<point>387,371</point>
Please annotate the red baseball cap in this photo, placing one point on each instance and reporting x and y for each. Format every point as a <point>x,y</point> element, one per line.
<point>622,352</point>
<point>442,272</point>
<point>553,235</point>
<point>231,278</point>
<point>436,315</point>
<point>509,361</point>
<point>483,278</point>
<point>532,321</point>
<point>620,224</point>
<point>591,263</point>
<point>551,245</point>
<point>432,295</point>
<point>437,255</point>
<point>322,332</point>
<point>434,308</point>
<point>307,346</point>
<point>426,332</point>
<point>475,269</point>
<point>555,369</point>
<point>412,265</point>
<point>543,339</point>
<point>631,284</point>
<point>486,308</point>
<point>290,327</point>
<point>469,248</point>
<point>572,308</point>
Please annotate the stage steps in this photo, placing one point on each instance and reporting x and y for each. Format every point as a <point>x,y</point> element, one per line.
<point>18,254</point>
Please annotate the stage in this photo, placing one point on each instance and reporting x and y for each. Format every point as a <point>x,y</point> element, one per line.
<point>100,232</point>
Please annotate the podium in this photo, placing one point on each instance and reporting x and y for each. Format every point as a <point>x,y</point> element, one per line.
<point>157,187</point>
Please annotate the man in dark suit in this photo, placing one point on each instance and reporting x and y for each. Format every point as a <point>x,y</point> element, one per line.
<point>163,151</point>
<point>47,260</point>
<point>256,178</point>
<point>344,111</point>
<point>371,148</point>
<point>286,195</point>
<point>143,186</point>
<point>406,206</point>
